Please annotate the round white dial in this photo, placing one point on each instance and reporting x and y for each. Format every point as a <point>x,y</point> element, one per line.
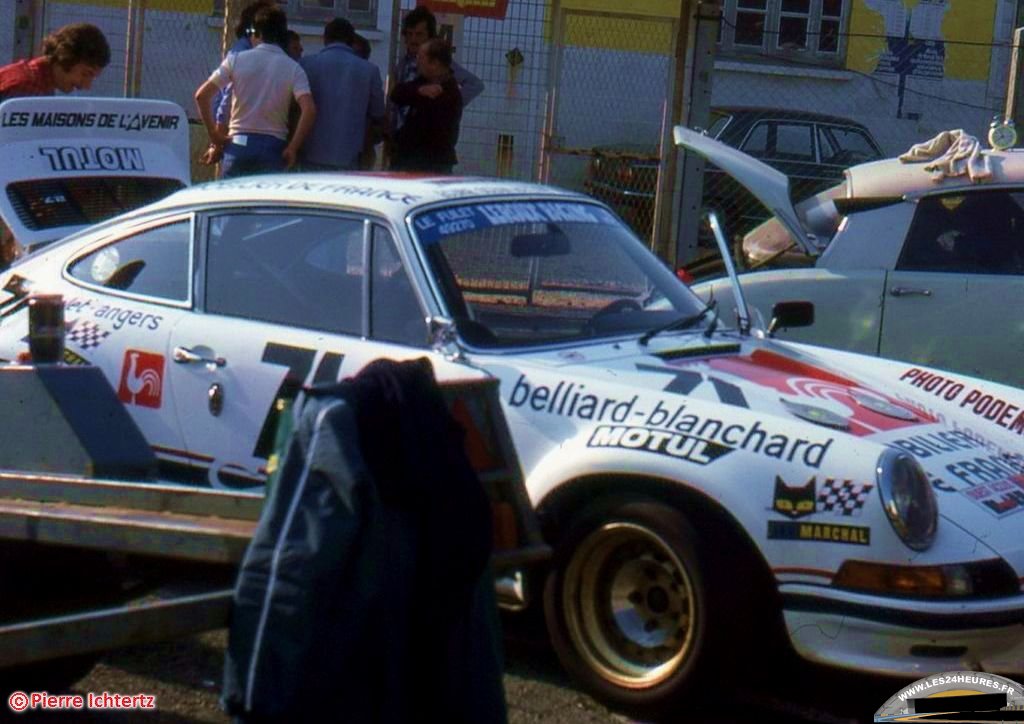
<point>1002,136</point>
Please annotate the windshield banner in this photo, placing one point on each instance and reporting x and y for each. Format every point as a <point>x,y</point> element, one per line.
<point>433,226</point>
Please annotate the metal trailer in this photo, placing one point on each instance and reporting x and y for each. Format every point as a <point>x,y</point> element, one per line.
<point>96,564</point>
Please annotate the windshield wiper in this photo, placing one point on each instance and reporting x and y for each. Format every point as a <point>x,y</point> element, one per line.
<point>677,324</point>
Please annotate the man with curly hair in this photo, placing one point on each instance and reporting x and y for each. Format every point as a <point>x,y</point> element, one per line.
<point>73,57</point>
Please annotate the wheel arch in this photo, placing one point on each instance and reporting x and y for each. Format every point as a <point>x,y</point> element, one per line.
<point>719,534</point>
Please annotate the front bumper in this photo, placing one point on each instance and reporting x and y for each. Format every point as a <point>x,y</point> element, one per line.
<point>900,637</point>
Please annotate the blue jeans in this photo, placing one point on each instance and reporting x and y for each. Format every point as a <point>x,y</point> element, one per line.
<point>260,154</point>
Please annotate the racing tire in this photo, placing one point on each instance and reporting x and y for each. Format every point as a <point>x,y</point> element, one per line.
<point>627,607</point>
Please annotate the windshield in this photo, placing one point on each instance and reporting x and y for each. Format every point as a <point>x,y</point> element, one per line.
<point>528,273</point>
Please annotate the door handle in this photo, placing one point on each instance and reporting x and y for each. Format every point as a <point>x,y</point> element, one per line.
<point>184,355</point>
<point>909,292</point>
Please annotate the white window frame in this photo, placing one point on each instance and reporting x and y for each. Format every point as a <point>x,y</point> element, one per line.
<point>770,42</point>
<point>299,11</point>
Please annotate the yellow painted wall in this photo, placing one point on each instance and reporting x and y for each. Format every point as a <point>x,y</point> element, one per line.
<point>647,30</point>
<point>967,21</point>
<point>650,8</point>
<point>204,7</point>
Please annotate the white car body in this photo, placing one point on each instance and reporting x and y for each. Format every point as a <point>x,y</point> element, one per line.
<point>911,266</point>
<point>779,443</point>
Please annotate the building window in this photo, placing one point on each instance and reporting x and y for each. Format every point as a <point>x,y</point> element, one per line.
<point>809,30</point>
<point>361,13</point>
<point>750,22</point>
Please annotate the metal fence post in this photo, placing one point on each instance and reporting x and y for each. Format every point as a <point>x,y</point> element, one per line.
<point>550,128</point>
<point>664,244</point>
<point>689,180</point>
<point>24,29</point>
<point>133,48</point>
<point>232,9</point>
<point>1014,101</point>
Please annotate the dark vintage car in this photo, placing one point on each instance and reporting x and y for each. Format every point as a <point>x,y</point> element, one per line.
<point>812,149</point>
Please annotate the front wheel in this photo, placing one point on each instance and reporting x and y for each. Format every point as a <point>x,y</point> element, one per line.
<point>627,607</point>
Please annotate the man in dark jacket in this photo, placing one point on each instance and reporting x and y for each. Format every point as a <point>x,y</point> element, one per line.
<point>426,141</point>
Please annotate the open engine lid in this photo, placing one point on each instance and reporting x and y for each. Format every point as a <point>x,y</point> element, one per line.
<point>769,186</point>
<point>70,162</point>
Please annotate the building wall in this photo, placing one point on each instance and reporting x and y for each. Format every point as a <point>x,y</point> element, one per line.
<point>959,82</point>
<point>6,31</point>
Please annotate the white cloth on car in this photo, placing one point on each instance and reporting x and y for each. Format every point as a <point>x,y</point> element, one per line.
<point>951,153</point>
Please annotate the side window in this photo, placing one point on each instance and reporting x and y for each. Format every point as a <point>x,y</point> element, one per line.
<point>756,142</point>
<point>302,270</point>
<point>395,311</point>
<point>153,263</point>
<point>977,232</point>
<point>845,146</point>
<point>793,142</point>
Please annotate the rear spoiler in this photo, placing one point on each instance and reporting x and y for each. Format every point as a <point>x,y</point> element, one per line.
<point>70,162</point>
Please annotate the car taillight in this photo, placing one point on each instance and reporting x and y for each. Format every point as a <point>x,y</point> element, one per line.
<point>684,276</point>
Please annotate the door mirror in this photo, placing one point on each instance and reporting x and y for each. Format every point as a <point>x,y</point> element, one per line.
<point>790,315</point>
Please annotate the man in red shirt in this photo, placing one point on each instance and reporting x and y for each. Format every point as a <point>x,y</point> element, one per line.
<point>73,57</point>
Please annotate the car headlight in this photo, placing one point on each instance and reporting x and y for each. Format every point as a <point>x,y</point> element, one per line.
<point>908,498</point>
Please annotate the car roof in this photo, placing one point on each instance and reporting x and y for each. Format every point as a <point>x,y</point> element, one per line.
<point>891,177</point>
<point>755,113</point>
<point>386,193</point>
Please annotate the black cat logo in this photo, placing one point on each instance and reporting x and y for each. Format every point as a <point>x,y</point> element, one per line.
<point>794,501</point>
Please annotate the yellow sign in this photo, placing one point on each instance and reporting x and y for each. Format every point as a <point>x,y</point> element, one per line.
<point>935,39</point>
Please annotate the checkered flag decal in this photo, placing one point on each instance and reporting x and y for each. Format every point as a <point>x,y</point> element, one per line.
<point>843,497</point>
<point>86,334</point>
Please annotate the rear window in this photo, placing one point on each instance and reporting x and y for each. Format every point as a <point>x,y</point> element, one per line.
<point>53,203</point>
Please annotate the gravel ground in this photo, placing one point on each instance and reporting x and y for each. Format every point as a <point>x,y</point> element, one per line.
<point>185,677</point>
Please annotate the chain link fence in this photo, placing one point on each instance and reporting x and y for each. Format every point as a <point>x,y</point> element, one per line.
<point>159,49</point>
<point>501,129</point>
<point>612,78</point>
<point>580,94</point>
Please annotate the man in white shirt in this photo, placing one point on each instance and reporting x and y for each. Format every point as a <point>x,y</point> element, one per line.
<point>264,81</point>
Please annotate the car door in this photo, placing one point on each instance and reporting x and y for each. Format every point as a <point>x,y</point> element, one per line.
<point>951,301</point>
<point>286,302</point>
<point>125,295</point>
<point>282,295</point>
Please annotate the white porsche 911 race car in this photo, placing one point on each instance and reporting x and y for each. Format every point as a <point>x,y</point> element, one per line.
<point>703,486</point>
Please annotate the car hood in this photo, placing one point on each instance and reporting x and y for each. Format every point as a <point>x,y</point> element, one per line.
<point>763,376</point>
<point>768,185</point>
<point>815,396</point>
<point>50,142</point>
